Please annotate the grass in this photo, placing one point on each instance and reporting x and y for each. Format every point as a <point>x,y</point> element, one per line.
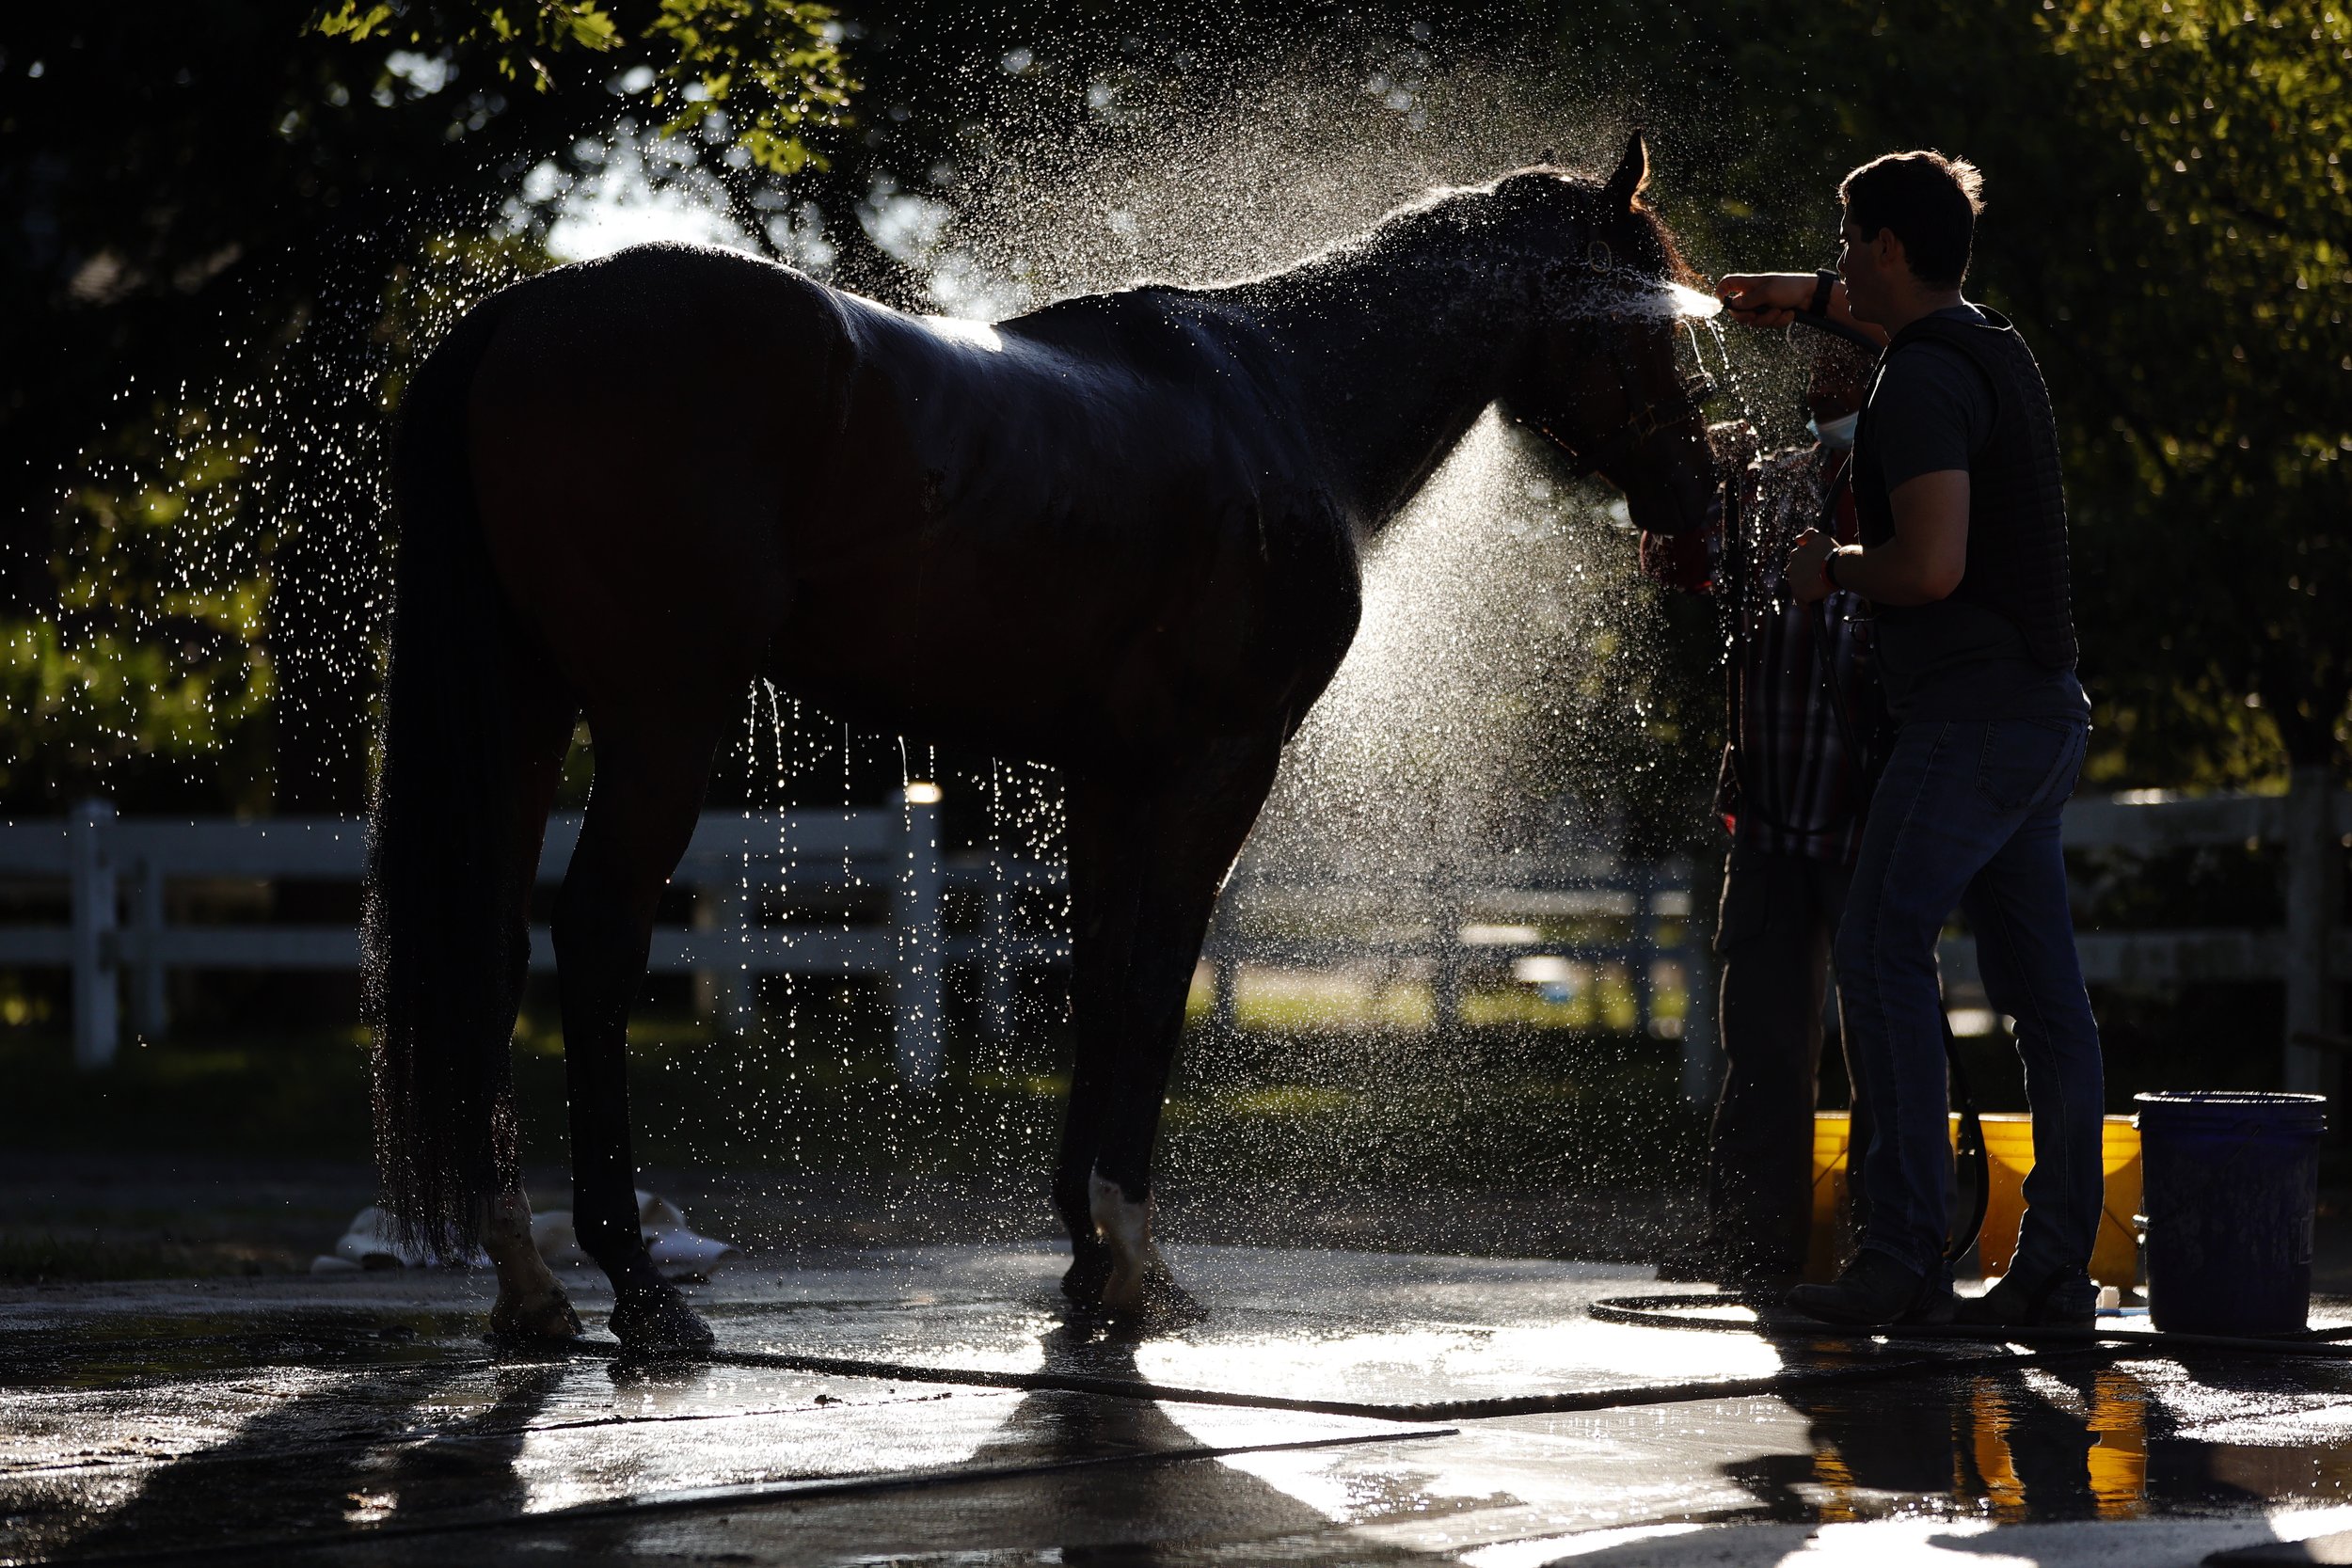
<point>1327,1066</point>
<point>295,1095</point>
<point>1325,1105</point>
<point>1296,1001</point>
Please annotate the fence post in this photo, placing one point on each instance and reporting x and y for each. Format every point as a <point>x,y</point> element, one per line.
<point>97,1015</point>
<point>727,995</point>
<point>2314,892</point>
<point>150,1006</point>
<point>997,952</point>
<point>1702,1049</point>
<point>1445,934</point>
<point>1224,989</point>
<point>1642,971</point>
<point>921,986</point>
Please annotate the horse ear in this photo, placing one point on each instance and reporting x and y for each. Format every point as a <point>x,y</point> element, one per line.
<point>1632,173</point>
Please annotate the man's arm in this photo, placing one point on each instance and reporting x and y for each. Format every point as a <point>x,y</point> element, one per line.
<point>1774,299</point>
<point>1922,563</point>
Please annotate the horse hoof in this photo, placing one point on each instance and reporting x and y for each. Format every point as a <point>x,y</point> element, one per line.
<point>659,1326</point>
<point>524,1325</point>
<point>1157,1302</point>
<point>1086,1276</point>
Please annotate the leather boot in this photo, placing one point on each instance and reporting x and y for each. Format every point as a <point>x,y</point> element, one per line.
<point>2054,1298</point>
<point>1876,1291</point>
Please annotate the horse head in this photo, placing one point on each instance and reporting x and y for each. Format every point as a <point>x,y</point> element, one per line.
<point>1599,377</point>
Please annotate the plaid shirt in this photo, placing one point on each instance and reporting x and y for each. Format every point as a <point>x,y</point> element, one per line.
<point>1789,784</point>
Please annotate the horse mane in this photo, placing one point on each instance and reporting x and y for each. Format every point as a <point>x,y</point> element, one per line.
<point>1526,194</point>
<point>1665,252</point>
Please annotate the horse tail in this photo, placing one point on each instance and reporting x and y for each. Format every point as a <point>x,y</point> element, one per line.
<point>444,933</point>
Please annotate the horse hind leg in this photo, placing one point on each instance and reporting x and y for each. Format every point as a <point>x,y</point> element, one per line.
<point>1136,1282</point>
<point>531,1307</point>
<point>650,780</point>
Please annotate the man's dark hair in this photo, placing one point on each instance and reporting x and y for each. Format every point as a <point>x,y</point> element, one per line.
<point>1929,200</point>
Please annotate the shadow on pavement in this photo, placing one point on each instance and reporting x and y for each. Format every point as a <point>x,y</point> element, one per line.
<point>333,1452</point>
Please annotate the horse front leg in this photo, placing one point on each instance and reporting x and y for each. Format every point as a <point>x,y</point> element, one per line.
<point>1151,865</point>
<point>1089,1268</point>
<point>649,794</point>
<point>1105,865</point>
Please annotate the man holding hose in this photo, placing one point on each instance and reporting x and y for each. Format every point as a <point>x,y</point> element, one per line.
<point>1963,558</point>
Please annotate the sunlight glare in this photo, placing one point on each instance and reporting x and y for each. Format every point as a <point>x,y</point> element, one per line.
<point>1691,305</point>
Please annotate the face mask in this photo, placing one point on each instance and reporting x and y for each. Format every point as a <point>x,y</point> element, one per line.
<point>1837,434</point>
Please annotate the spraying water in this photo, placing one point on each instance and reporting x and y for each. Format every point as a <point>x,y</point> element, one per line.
<point>1491,609</point>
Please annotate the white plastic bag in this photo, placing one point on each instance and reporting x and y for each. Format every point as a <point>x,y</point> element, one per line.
<point>676,1250</point>
<point>369,1243</point>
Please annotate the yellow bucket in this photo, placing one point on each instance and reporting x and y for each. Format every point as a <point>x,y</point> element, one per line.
<point>1825,1249</point>
<point>2008,1150</point>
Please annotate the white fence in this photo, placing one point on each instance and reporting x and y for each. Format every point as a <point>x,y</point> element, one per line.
<point>2311,954</point>
<point>1450,925</point>
<point>116,871</point>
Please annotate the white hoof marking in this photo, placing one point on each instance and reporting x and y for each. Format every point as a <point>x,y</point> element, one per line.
<point>1125,1227</point>
<point>529,1301</point>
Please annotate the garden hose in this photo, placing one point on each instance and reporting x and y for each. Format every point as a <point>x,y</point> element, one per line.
<point>1672,1311</point>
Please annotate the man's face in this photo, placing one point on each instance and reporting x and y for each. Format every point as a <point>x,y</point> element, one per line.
<point>1864,262</point>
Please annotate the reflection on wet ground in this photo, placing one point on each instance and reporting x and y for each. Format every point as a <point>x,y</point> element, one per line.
<point>360,1419</point>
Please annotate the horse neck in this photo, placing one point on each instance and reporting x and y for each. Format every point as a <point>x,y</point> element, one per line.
<point>1392,360</point>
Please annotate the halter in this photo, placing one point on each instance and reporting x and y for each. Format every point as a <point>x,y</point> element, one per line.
<point>1644,421</point>
<point>1649,417</point>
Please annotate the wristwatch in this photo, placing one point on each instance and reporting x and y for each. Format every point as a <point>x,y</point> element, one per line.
<point>1829,571</point>
<point>1824,279</point>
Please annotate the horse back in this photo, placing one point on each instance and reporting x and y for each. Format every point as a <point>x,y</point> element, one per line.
<point>1114,532</point>
<point>1094,528</point>
<point>638,426</point>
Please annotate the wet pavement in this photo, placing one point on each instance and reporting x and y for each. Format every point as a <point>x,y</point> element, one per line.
<point>934,1404</point>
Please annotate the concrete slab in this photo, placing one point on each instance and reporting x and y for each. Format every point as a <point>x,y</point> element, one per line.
<point>359,1420</point>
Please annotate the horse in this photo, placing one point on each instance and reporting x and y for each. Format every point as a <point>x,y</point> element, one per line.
<point>1121,535</point>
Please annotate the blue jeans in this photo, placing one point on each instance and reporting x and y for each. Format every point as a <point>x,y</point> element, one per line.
<point>1967,816</point>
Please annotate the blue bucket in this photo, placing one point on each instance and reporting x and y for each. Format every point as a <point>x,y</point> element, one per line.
<point>2232,1188</point>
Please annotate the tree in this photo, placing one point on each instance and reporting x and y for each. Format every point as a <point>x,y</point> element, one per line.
<point>236,235</point>
<point>216,223</point>
<point>2168,221</point>
<point>2218,488</point>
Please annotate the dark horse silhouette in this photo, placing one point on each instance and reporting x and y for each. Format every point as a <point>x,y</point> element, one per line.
<point>1120,535</point>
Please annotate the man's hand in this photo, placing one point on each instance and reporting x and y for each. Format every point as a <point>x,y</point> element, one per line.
<point>1922,563</point>
<point>1767,298</point>
<point>1806,580</point>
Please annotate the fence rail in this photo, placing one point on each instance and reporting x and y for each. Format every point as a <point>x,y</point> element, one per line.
<point>116,871</point>
<point>1450,929</point>
<point>2311,954</point>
